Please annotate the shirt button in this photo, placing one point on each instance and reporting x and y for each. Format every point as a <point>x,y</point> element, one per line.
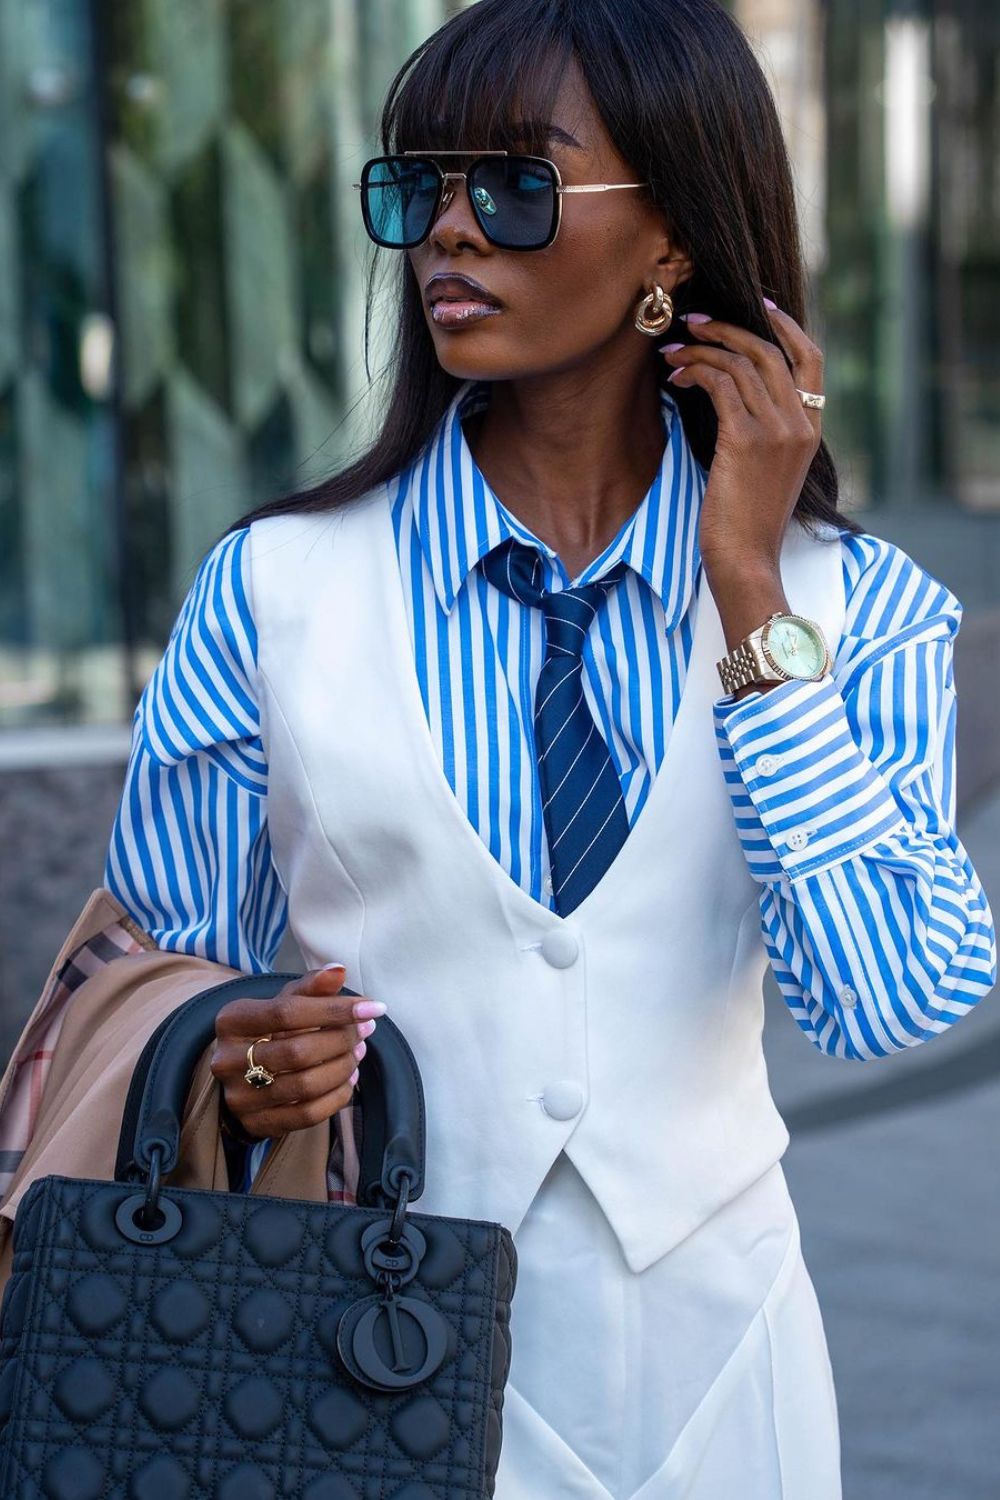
<point>547,885</point>
<point>768,764</point>
<point>798,838</point>
<point>560,948</point>
<point>562,1100</point>
<point>848,996</point>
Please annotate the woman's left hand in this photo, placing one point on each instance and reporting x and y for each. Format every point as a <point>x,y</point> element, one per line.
<point>766,441</point>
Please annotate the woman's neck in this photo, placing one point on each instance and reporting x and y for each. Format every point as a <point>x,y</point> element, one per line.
<point>570,458</point>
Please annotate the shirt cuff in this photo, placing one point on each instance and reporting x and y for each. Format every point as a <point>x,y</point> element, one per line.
<point>255,1160</point>
<point>804,794</point>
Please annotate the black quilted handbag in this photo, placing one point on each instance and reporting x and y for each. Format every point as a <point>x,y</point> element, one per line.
<point>159,1343</point>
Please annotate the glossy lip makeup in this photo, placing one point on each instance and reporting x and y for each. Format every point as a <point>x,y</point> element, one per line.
<point>455,314</point>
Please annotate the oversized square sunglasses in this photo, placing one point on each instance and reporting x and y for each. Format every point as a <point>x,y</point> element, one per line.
<point>517,200</point>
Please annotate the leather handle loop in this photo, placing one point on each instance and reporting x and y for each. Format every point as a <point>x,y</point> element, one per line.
<point>393,1132</point>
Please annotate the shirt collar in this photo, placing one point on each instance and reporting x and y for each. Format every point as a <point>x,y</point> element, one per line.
<point>459,518</point>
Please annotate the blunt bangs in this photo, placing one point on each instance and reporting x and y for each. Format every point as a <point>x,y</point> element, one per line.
<point>475,93</point>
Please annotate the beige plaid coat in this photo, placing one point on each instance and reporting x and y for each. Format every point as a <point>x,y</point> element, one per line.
<point>64,1089</point>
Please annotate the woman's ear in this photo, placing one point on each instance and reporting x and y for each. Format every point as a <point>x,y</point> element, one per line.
<point>680,264</point>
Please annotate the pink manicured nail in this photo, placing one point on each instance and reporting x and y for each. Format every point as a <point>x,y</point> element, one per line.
<point>674,373</point>
<point>670,348</point>
<point>366,1028</point>
<point>696,317</point>
<point>353,1078</point>
<point>366,1008</point>
<point>360,1050</point>
<point>769,303</point>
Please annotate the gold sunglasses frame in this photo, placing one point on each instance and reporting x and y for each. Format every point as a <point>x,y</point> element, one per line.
<point>445,194</point>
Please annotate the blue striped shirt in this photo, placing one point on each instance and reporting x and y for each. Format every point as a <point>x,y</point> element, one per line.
<point>843,790</point>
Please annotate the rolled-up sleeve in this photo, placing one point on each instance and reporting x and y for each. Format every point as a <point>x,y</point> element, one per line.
<point>843,790</point>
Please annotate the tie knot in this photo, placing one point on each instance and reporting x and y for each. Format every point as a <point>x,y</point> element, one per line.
<point>515,568</point>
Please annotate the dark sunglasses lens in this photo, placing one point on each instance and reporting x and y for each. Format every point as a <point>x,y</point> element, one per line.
<point>514,200</point>
<point>398,197</point>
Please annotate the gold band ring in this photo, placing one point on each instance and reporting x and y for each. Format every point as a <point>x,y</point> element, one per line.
<point>256,1073</point>
<point>812,398</point>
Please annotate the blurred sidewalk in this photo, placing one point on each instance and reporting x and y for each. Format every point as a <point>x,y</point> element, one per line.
<point>894,1168</point>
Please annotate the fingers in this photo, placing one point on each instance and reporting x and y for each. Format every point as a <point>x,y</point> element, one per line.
<point>325,981</point>
<point>741,375</point>
<point>767,359</point>
<point>807,365</point>
<point>300,1095</point>
<point>314,1043</point>
<point>290,1053</point>
<point>806,357</point>
<point>279,1120</point>
<point>306,1084</point>
<point>720,385</point>
<point>291,1010</point>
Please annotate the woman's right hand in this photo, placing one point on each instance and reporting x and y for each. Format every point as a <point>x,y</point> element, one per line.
<point>317,1042</point>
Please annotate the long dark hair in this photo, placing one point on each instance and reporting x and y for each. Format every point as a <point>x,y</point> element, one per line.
<point>685,102</point>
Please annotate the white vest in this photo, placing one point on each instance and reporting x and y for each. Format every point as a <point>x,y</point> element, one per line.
<point>629,1032</point>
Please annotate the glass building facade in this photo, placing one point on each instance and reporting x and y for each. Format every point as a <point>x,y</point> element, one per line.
<point>181,262</point>
<point>892,114</point>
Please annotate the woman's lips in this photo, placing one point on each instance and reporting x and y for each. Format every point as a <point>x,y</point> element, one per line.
<point>450,314</point>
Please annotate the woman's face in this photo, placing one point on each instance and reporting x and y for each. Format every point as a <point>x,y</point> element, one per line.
<point>564,304</point>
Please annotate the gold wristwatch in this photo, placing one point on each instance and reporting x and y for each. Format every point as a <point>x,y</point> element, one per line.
<point>785,648</point>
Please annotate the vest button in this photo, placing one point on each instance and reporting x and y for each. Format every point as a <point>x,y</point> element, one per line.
<point>560,948</point>
<point>562,1100</point>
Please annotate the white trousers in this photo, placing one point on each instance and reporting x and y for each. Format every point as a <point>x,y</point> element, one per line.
<point>704,1377</point>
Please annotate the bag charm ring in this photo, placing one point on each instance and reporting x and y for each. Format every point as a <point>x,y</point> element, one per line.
<point>256,1073</point>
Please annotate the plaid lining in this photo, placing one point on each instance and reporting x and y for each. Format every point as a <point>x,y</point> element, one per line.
<point>34,1051</point>
<point>32,1060</point>
<point>343,1165</point>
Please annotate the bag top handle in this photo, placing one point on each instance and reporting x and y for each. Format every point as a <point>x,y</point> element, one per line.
<point>393,1135</point>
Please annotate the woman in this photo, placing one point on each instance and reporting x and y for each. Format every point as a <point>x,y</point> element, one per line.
<point>455,716</point>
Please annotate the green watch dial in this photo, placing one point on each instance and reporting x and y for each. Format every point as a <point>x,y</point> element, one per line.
<point>795,645</point>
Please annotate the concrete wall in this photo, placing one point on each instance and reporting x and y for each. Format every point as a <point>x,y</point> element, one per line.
<point>54,827</point>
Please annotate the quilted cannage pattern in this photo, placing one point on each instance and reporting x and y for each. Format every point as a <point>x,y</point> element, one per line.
<point>207,1366</point>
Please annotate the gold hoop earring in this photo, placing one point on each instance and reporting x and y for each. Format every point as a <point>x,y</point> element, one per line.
<point>655,312</point>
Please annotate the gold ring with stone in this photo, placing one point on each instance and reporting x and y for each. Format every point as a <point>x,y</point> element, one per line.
<point>256,1074</point>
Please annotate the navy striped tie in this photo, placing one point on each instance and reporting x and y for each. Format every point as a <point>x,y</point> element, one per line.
<point>582,800</point>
